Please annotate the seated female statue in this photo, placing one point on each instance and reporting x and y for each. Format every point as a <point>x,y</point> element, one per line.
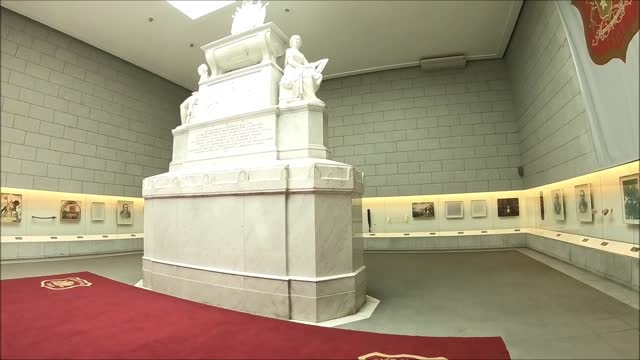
<point>301,78</point>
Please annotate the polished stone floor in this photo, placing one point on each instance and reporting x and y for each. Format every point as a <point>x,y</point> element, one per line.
<point>539,311</point>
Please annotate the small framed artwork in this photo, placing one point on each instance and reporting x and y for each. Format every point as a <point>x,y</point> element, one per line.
<point>541,206</point>
<point>558,204</point>
<point>454,209</point>
<point>125,213</point>
<point>508,207</point>
<point>11,211</point>
<point>630,186</point>
<point>97,211</point>
<point>70,211</point>
<point>583,203</point>
<point>478,208</point>
<point>423,210</point>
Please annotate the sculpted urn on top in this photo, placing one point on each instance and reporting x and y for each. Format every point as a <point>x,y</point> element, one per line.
<point>252,215</point>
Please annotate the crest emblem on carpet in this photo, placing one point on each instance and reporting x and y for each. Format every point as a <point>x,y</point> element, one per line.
<point>381,356</point>
<point>64,284</point>
<point>609,26</point>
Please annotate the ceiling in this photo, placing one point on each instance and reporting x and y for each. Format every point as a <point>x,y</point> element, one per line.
<point>356,36</point>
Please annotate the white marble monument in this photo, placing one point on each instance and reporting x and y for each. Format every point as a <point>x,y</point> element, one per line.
<point>251,215</point>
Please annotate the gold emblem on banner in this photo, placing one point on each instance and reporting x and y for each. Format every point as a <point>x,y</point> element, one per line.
<point>381,356</point>
<point>64,284</point>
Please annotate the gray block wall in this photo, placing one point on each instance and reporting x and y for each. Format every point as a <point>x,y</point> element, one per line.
<point>556,141</point>
<point>77,119</point>
<point>415,132</point>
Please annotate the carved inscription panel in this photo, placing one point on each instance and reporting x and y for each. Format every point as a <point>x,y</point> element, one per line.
<point>232,138</point>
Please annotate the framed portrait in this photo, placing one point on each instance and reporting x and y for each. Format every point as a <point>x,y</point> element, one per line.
<point>423,210</point>
<point>478,208</point>
<point>557,200</point>
<point>630,186</point>
<point>541,206</point>
<point>125,213</point>
<point>70,211</point>
<point>508,207</point>
<point>583,203</point>
<point>97,211</point>
<point>11,211</point>
<point>454,209</point>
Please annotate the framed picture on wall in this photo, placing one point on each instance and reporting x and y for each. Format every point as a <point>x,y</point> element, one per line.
<point>558,204</point>
<point>125,213</point>
<point>97,211</point>
<point>423,210</point>
<point>478,208</point>
<point>630,186</point>
<point>541,206</point>
<point>454,209</point>
<point>508,207</point>
<point>583,203</point>
<point>11,211</point>
<point>70,211</point>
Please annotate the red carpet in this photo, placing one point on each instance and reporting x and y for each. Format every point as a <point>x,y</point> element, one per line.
<point>111,320</point>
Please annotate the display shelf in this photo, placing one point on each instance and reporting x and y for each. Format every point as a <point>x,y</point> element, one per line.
<point>610,246</point>
<point>58,238</point>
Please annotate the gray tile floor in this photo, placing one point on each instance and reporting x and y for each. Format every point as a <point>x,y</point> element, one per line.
<point>539,311</point>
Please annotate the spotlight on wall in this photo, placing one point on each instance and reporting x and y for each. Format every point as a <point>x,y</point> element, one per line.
<point>448,62</point>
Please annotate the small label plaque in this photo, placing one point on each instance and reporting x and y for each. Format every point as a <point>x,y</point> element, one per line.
<point>635,249</point>
<point>18,237</point>
<point>585,240</point>
<point>604,243</point>
<point>432,233</point>
<point>80,237</point>
<point>483,231</point>
<point>460,232</point>
<point>53,237</point>
<point>105,236</point>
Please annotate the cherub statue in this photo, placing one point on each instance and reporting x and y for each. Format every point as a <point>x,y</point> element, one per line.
<point>251,14</point>
<point>203,71</point>
<point>301,78</point>
<point>187,108</point>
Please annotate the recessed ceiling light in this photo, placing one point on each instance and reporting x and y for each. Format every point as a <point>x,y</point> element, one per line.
<point>196,9</point>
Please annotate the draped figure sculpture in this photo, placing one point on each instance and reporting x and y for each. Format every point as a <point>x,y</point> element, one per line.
<point>187,108</point>
<point>301,78</point>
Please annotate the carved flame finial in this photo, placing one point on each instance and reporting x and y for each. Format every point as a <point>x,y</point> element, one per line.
<point>249,15</point>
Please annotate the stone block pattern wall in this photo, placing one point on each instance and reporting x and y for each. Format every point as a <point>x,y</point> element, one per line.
<point>77,119</point>
<point>556,141</point>
<point>415,132</point>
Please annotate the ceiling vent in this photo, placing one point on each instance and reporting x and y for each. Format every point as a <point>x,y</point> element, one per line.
<point>449,62</point>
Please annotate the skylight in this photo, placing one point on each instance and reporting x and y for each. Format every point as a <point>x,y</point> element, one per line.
<point>196,9</point>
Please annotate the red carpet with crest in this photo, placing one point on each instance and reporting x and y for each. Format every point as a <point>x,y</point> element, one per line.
<point>83,315</point>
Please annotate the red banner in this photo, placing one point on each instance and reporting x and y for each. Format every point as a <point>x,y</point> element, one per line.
<point>609,26</point>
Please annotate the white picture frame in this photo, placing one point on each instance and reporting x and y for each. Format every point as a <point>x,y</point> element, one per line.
<point>454,209</point>
<point>124,213</point>
<point>478,208</point>
<point>630,195</point>
<point>10,208</point>
<point>97,211</point>
<point>584,205</point>
<point>557,205</point>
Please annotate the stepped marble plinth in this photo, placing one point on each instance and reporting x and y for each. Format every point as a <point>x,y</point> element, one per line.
<point>252,215</point>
